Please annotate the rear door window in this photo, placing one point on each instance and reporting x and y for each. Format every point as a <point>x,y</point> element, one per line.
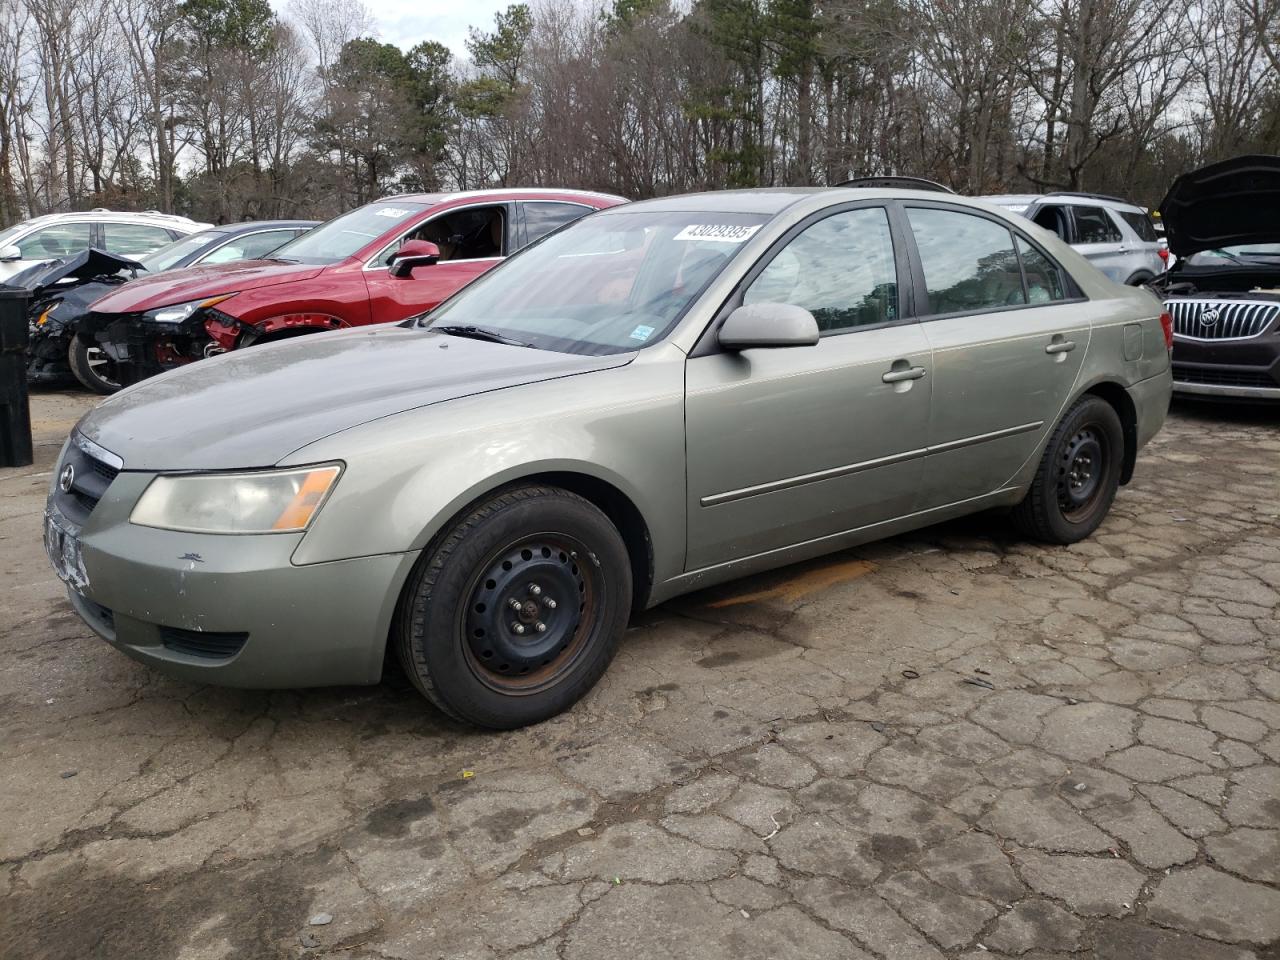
<point>1044,278</point>
<point>133,239</point>
<point>543,216</point>
<point>970,263</point>
<point>1094,225</point>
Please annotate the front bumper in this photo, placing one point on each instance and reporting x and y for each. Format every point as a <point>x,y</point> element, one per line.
<point>1247,369</point>
<point>232,610</point>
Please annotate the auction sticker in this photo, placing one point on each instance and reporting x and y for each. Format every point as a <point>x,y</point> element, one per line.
<point>717,232</point>
<point>393,212</point>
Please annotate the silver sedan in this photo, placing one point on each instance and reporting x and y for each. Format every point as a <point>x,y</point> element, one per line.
<point>660,397</point>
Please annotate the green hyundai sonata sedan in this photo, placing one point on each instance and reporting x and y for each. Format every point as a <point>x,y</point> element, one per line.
<point>662,396</point>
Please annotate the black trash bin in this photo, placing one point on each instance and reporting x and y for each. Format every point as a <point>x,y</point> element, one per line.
<point>15,412</point>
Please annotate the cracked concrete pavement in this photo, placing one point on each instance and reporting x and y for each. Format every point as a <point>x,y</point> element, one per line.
<point>951,744</point>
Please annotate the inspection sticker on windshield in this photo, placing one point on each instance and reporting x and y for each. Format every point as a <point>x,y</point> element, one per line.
<point>394,212</point>
<point>717,232</point>
<point>642,333</point>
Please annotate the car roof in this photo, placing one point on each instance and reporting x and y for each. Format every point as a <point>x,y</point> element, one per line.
<point>769,201</point>
<point>254,226</point>
<point>100,214</point>
<point>503,193</point>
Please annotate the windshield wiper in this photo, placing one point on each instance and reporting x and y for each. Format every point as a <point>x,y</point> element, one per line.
<point>281,260</point>
<point>478,333</point>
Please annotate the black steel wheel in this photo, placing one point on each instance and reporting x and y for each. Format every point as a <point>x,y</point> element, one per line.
<point>514,613</point>
<point>1078,475</point>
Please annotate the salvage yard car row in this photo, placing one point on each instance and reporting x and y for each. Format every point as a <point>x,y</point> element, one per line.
<point>402,256</point>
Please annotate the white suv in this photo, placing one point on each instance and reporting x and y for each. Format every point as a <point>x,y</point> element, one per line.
<point>1116,236</point>
<point>46,238</point>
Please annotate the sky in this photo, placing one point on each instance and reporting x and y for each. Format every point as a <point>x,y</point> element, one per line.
<point>406,24</point>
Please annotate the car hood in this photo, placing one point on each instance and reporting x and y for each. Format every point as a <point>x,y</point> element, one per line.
<point>1223,204</point>
<point>197,283</point>
<point>253,407</point>
<point>85,267</point>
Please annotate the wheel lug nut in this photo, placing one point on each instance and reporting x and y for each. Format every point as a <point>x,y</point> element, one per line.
<point>540,627</point>
<point>513,603</point>
<point>549,603</point>
<point>535,590</point>
<point>518,627</point>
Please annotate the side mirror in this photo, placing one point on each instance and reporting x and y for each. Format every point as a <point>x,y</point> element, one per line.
<point>413,253</point>
<point>768,325</point>
<point>10,253</point>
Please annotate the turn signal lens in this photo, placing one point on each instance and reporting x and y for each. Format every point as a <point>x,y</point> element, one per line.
<point>1166,324</point>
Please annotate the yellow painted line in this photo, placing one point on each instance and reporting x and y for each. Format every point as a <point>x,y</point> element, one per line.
<point>809,582</point>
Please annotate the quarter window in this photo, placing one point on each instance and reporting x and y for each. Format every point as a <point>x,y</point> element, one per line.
<point>840,269</point>
<point>1044,279</point>
<point>542,217</point>
<point>1093,225</point>
<point>133,239</point>
<point>57,240</point>
<point>969,262</point>
<point>1141,224</point>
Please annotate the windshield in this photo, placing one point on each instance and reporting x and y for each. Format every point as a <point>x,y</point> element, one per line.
<point>344,236</point>
<point>169,255</point>
<point>7,236</point>
<point>1242,253</point>
<point>610,283</point>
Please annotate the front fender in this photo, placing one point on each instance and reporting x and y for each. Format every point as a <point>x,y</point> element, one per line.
<point>409,475</point>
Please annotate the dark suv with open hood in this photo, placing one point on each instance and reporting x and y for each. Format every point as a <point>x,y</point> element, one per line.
<point>1224,290</point>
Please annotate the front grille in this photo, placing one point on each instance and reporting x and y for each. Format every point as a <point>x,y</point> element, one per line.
<point>203,643</point>
<point>1221,319</point>
<point>1222,378</point>
<point>92,478</point>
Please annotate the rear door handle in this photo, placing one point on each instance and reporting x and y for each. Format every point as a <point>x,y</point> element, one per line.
<point>1060,346</point>
<point>897,376</point>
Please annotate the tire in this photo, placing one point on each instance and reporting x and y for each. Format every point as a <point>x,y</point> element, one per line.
<point>1139,278</point>
<point>550,552</point>
<point>92,367</point>
<point>1078,475</point>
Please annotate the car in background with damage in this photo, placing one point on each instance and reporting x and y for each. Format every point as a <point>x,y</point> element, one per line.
<point>61,351</point>
<point>61,293</point>
<point>1224,290</point>
<point>57,236</point>
<point>1116,236</point>
<point>379,263</point>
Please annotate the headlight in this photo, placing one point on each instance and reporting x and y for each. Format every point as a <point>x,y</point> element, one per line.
<point>269,501</point>
<point>181,311</point>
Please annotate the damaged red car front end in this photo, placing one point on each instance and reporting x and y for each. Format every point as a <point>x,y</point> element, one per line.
<point>343,273</point>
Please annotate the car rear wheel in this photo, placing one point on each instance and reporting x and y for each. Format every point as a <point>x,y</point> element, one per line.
<point>516,612</point>
<point>92,367</point>
<point>1078,475</point>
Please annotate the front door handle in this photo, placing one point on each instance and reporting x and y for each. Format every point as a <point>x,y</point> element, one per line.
<point>897,376</point>
<point>1060,346</point>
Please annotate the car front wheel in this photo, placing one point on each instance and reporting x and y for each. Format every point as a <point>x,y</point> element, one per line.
<point>92,367</point>
<point>514,613</point>
<point>1078,475</point>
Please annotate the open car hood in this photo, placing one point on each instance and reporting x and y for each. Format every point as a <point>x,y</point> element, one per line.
<point>86,266</point>
<point>1224,204</point>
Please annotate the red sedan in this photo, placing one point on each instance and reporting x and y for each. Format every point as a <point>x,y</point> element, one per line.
<point>382,262</point>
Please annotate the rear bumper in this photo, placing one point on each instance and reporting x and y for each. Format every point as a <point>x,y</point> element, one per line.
<point>1151,404</point>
